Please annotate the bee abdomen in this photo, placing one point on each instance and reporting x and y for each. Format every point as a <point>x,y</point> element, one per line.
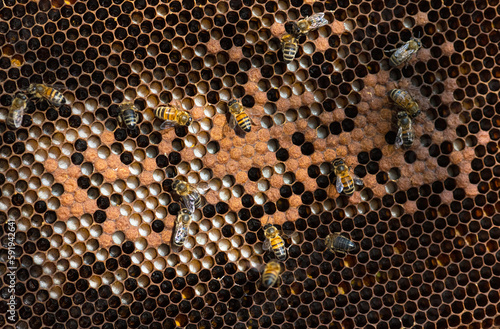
<point>165,113</point>
<point>269,278</point>
<point>129,118</point>
<point>56,97</point>
<point>197,203</point>
<point>243,121</point>
<point>394,61</point>
<point>343,243</point>
<point>407,139</point>
<point>289,51</point>
<point>348,185</point>
<point>278,247</point>
<point>337,242</point>
<point>397,95</point>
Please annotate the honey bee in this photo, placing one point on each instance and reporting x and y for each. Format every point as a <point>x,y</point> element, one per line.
<point>189,193</point>
<point>290,47</point>
<point>403,54</point>
<point>128,115</point>
<point>184,218</point>
<point>404,100</point>
<point>338,243</point>
<point>238,118</point>
<point>16,111</point>
<point>51,94</point>
<point>172,116</point>
<point>275,242</point>
<point>271,273</point>
<point>310,23</point>
<point>405,135</point>
<point>345,181</point>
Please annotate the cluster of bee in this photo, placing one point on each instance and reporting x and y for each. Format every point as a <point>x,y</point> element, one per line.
<point>20,102</point>
<point>290,42</point>
<point>240,122</point>
<point>237,117</point>
<point>190,201</point>
<point>335,242</point>
<point>172,114</point>
<point>401,98</point>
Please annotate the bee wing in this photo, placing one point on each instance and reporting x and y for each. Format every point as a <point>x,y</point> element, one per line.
<point>317,20</point>
<point>231,120</point>
<point>266,245</point>
<point>404,47</point>
<point>167,124</point>
<point>57,86</point>
<point>357,180</point>
<point>189,202</point>
<point>289,235</point>
<point>399,138</point>
<point>202,187</point>
<point>239,132</point>
<point>412,132</point>
<point>339,185</point>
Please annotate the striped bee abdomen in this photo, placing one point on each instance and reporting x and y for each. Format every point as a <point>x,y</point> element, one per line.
<point>278,247</point>
<point>342,243</point>
<point>339,243</point>
<point>129,116</point>
<point>165,113</point>
<point>348,185</point>
<point>397,95</point>
<point>269,278</point>
<point>407,138</point>
<point>289,51</point>
<point>394,61</point>
<point>243,121</point>
<point>54,96</point>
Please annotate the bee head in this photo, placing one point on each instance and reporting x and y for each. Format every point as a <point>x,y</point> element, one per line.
<point>31,89</point>
<point>402,114</point>
<point>270,230</point>
<point>295,28</point>
<point>21,96</point>
<point>177,184</point>
<point>419,43</point>
<point>232,102</point>
<point>189,121</point>
<point>126,106</point>
<point>416,114</point>
<point>338,162</point>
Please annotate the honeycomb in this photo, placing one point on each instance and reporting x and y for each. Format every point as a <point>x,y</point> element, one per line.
<point>87,207</point>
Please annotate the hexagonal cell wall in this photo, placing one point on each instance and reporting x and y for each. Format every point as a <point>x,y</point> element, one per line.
<point>87,208</point>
